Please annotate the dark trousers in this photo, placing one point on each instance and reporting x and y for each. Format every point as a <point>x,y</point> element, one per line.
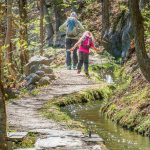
<point>83,59</point>
<point>74,59</point>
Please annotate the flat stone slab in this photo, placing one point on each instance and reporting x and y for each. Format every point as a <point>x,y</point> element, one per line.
<point>25,149</point>
<point>65,139</point>
<point>93,138</point>
<point>59,133</point>
<point>16,136</point>
<point>86,139</point>
<point>54,142</point>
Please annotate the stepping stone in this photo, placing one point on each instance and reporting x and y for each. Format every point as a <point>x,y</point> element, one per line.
<point>25,149</point>
<point>55,142</point>
<point>94,138</point>
<point>16,136</point>
<point>59,133</point>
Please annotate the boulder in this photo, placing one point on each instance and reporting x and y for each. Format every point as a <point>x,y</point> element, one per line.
<point>46,69</point>
<point>39,60</point>
<point>33,69</point>
<point>40,73</point>
<point>32,78</point>
<point>117,39</point>
<point>44,81</point>
<point>51,76</point>
<point>31,87</point>
<point>36,60</point>
<point>49,56</point>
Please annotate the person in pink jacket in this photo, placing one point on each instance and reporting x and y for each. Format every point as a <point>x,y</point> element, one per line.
<point>84,43</point>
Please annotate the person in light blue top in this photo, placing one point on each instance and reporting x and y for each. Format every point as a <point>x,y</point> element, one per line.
<point>73,28</point>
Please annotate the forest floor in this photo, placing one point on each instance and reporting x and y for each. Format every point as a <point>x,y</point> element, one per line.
<point>23,114</point>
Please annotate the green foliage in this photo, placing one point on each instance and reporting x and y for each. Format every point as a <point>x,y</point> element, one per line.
<point>117,72</point>
<point>35,91</point>
<point>28,142</point>
<point>123,6</point>
<point>130,111</point>
<point>144,127</point>
<point>23,92</point>
<point>106,92</point>
<point>146,16</point>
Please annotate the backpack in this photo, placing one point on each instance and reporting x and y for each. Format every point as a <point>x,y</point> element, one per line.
<point>71,27</point>
<point>86,42</point>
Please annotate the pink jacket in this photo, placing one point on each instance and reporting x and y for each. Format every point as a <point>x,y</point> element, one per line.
<point>86,50</point>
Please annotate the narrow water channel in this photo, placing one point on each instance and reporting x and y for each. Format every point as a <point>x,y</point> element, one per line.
<point>115,137</point>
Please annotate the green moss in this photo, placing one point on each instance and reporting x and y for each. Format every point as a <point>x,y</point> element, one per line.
<point>118,116</point>
<point>130,110</point>
<point>146,17</point>
<point>35,91</point>
<point>128,105</point>
<point>144,126</point>
<point>112,109</point>
<point>52,109</point>
<point>106,92</point>
<point>53,112</point>
<point>28,142</point>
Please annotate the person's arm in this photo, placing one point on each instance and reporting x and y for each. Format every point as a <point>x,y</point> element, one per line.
<point>76,45</point>
<point>62,28</point>
<point>95,48</point>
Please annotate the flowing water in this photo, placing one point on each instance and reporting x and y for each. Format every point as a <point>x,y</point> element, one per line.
<point>115,137</point>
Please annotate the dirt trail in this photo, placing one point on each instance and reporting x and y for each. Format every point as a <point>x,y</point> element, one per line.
<point>23,114</point>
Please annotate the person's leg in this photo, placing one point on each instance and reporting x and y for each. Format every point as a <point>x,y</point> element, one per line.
<point>75,56</point>
<point>86,63</point>
<point>68,53</point>
<point>80,63</point>
<point>75,59</point>
<point>68,59</point>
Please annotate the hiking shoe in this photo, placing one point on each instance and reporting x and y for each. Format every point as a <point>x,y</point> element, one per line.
<point>87,74</point>
<point>74,68</point>
<point>78,72</point>
<point>68,67</point>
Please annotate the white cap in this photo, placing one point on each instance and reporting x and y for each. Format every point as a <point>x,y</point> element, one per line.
<point>73,14</point>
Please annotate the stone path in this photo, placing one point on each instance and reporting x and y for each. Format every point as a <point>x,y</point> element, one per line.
<point>23,115</point>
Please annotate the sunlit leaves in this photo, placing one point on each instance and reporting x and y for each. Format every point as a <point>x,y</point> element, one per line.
<point>146,16</point>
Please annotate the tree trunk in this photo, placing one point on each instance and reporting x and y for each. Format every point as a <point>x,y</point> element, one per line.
<point>24,56</point>
<point>3,133</point>
<point>41,26</point>
<point>58,21</point>
<point>137,22</point>
<point>57,17</point>
<point>8,44</point>
<point>49,26</point>
<point>2,36</point>
<point>105,16</point>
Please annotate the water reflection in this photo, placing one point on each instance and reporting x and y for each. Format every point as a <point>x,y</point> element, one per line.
<point>115,137</point>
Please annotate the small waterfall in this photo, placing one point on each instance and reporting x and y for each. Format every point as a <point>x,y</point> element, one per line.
<point>109,79</point>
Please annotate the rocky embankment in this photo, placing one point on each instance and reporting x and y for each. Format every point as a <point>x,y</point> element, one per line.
<point>38,71</point>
